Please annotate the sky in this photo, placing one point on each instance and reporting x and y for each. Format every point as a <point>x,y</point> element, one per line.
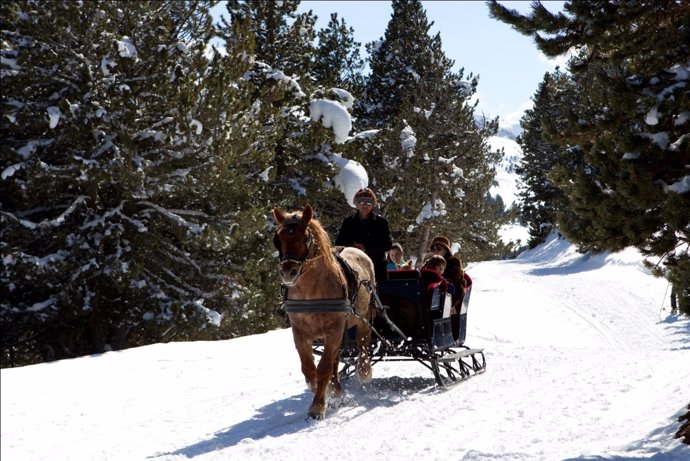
<point>584,362</point>
<point>509,65</point>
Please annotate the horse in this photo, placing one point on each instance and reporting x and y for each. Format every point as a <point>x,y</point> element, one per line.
<point>318,302</point>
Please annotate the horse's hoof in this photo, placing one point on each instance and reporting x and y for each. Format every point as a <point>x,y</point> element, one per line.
<point>316,416</point>
<point>317,411</point>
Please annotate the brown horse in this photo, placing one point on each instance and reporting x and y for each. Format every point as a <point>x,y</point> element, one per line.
<point>317,301</point>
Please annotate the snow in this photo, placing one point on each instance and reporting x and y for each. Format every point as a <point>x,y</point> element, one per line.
<point>54,116</point>
<point>660,139</point>
<point>682,118</point>
<point>681,186</point>
<point>126,48</point>
<point>631,156</point>
<point>408,140</point>
<point>345,97</point>
<point>196,126</point>
<point>28,149</point>
<point>350,178</point>
<point>515,233</point>
<point>652,117</point>
<point>332,115</point>
<point>11,170</point>
<point>428,213</point>
<point>506,185</point>
<point>582,363</point>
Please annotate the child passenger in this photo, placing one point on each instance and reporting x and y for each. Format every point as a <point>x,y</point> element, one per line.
<point>395,257</point>
<point>435,263</point>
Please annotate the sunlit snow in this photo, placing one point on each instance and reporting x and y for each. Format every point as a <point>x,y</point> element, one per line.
<point>584,362</point>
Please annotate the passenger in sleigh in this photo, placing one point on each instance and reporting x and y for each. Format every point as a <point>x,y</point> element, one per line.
<point>396,261</point>
<point>453,272</point>
<point>439,291</point>
<point>437,264</point>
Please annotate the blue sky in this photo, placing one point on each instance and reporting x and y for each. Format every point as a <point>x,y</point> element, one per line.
<point>509,65</point>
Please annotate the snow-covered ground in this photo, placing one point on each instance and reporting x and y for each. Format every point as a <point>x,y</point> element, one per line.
<point>583,363</point>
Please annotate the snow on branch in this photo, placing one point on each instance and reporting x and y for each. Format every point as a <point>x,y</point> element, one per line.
<point>48,223</point>
<point>681,186</point>
<point>427,212</point>
<point>12,169</point>
<point>408,140</point>
<point>115,211</point>
<point>275,74</point>
<point>192,227</point>
<point>332,115</point>
<point>212,316</point>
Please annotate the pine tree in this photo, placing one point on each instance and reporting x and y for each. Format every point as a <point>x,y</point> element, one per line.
<point>338,63</point>
<point>118,152</point>
<point>283,39</point>
<point>282,54</point>
<point>292,153</point>
<point>628,121</point>
<point>541,199</point>
<point>441,185</point>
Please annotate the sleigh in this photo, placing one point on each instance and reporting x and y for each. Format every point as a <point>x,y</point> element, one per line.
<point>410,320</point>
<point>414,323</point>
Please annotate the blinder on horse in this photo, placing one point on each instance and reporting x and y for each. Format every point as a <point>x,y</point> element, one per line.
<point>292,225</point>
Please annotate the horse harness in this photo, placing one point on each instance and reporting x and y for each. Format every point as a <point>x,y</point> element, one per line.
<point>326,305</point>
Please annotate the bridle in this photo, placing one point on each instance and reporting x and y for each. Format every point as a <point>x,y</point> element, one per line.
<point>291,226</point>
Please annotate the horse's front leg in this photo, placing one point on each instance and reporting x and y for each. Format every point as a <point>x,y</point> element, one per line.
<point>306,357</point>
<point>324,372</point>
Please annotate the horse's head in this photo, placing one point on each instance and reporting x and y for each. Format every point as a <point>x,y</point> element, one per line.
<point>293,239</point>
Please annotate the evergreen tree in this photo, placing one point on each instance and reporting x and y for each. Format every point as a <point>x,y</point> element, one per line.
<point>118,155</point>
<point>441,184</point>
<point>629,122</point>
<point>283,39</point>
<point>292,153</point>
<point>282,54</point>
<point>338,63</point>
<point>541,199</point>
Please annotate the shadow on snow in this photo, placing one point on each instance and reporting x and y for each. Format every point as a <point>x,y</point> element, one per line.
<point>679,326</point>
<point>289,415</point>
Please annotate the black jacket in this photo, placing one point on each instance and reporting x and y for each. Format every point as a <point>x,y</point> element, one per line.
<point>374,233</point>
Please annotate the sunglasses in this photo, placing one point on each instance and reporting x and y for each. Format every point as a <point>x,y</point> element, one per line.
<point>365,202</point>
<point>436,247</point>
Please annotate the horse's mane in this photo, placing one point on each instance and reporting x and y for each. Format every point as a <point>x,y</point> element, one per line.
<point>323,245</point>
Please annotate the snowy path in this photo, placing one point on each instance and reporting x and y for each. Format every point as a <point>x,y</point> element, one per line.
<point>581,364</point>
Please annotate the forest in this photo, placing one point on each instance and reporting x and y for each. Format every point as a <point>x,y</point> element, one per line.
<point>144,145</point>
